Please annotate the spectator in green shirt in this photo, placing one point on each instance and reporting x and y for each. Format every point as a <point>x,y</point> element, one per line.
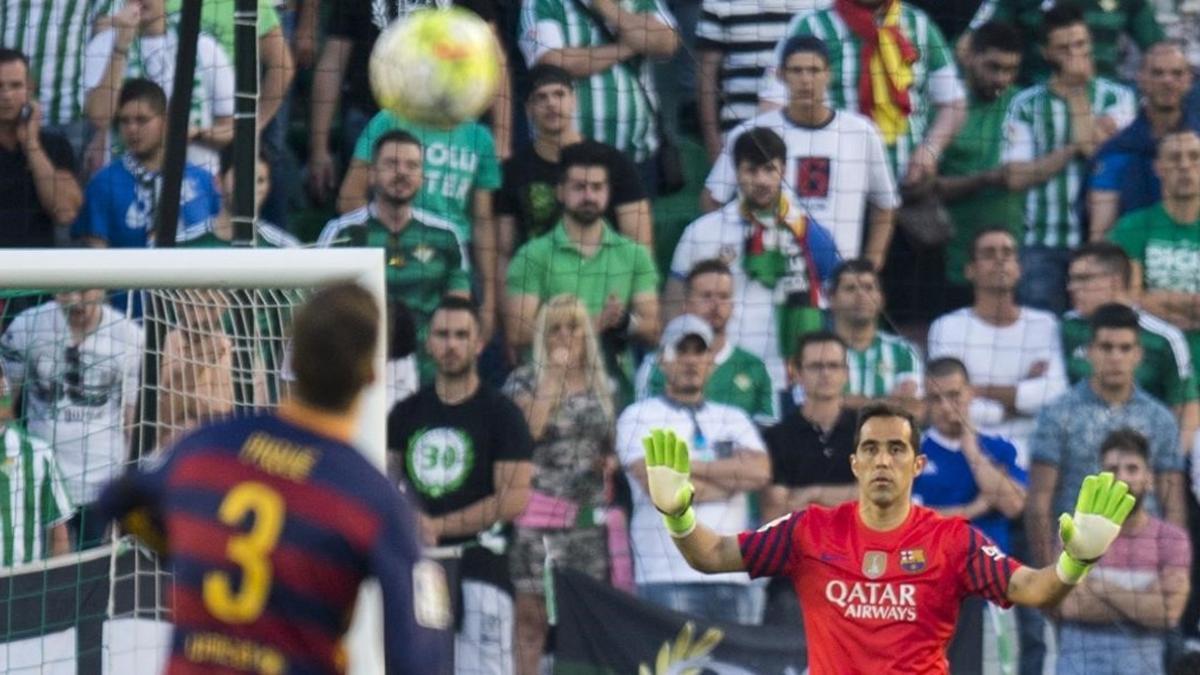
<point>1164,240</point>
<point>880,364</point>
<point>583,255</point>
<point>739,378</point>
<point>970,177</point>
<point>1100,273</point>
<point>423,253</point>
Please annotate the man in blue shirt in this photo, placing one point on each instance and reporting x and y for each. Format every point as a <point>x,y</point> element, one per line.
<point>967,473</point>
<point>1123,177</point>
<point>121,203</point>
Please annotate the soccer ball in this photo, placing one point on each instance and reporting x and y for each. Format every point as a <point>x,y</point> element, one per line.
<point>436,67</point>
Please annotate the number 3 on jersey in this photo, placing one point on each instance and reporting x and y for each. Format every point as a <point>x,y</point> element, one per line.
<point>251,552</point>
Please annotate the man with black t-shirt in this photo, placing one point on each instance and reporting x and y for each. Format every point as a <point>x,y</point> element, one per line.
<point>464,451</point>
<point>810,450</point>
<point>526,206</point>
<point>40,192</point>
<point>341,77</point>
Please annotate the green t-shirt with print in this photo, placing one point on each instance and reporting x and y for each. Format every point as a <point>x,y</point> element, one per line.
<point>423,263</point>
<point>457,161</point>
<point>1168,251</point>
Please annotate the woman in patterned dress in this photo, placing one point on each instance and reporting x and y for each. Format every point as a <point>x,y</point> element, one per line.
<point>566,397</point>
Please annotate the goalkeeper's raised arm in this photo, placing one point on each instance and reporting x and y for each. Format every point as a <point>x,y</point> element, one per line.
<point>870,572</point>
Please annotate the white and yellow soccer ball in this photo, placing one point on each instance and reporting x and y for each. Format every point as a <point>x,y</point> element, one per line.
<point>436,67</point>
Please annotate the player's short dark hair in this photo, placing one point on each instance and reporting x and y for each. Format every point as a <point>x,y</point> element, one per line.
<point>816,337</point>
<point>457,303</point>
<point>1126,440</point>
<point>758,146</point>
<point>985,231</point>
<point>884,409</point>
<point>1061,15</point>
<point>1115,316</point>
<point>1108,255</point>
<point>9,55</point>
<point>709,266</point>
<point>146,91</point>
<point>543,74</point>
<point>587,154</point>
<point>996,35</point>
<point>229,158</point>
<point>945,366</point>
<point>394,136</point>
<point>334,336</point>
<point>853,266</point>
<point>803,44</point>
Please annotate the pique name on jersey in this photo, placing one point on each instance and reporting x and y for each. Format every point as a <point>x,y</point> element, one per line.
<point>873,600</point>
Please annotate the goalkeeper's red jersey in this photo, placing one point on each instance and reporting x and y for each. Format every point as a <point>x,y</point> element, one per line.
<point>878,602</point>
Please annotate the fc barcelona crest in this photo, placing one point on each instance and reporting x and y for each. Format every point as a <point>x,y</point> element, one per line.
<point>874,564</point>
<point>912,560</point>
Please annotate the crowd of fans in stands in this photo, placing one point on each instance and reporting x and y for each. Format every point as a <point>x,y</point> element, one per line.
<point>988,213</point>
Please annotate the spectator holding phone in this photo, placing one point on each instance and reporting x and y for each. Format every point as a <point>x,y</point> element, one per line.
<point>40,196</point>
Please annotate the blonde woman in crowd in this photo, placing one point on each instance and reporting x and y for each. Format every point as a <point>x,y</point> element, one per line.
<point>566,397</point>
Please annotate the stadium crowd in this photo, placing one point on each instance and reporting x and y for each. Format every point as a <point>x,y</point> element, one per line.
<point>987,213</point>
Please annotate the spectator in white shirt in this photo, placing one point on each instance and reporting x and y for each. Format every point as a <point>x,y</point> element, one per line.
<point>1013,353</point>
<point>836,167</point>
<point>729,460</point>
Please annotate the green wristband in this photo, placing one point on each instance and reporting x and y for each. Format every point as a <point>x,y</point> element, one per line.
<point>681,525</point>
<point>1070,571</point>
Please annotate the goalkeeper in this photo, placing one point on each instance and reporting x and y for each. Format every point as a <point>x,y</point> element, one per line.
<point>880,579</point>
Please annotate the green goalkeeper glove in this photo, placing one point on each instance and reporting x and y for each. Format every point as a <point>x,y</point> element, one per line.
<point>667,471</point>
<point>1104,503</point>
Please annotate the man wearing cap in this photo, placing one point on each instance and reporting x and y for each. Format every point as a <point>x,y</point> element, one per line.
<point>729,460</point>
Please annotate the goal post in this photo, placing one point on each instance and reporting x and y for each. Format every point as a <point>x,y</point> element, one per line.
<point>166,270</point>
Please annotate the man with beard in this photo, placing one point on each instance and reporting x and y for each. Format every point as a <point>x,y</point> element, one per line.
<point>1123,177</point>
<point>464,451</point>
<point>1117,620</point>
<point>583,255</point>
<point>780,257</point>
<point>730,460</point>
<point>423,252</point>
<point>739,378</point>
<point>970,179</point>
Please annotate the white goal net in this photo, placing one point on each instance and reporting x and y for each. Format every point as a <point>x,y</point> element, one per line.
<point>104,369</point>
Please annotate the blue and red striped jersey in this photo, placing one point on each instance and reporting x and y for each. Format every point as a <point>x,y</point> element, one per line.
<point>270,527</point>
<point>876,601</point>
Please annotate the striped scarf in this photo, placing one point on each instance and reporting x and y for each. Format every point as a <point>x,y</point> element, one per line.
<point>885,66</point>
<point>794,280</point>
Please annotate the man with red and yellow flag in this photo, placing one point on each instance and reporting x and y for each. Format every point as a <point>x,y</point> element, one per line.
<point>889,62</point>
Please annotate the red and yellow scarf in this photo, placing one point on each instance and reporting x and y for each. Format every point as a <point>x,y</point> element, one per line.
<point>885,69</point>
